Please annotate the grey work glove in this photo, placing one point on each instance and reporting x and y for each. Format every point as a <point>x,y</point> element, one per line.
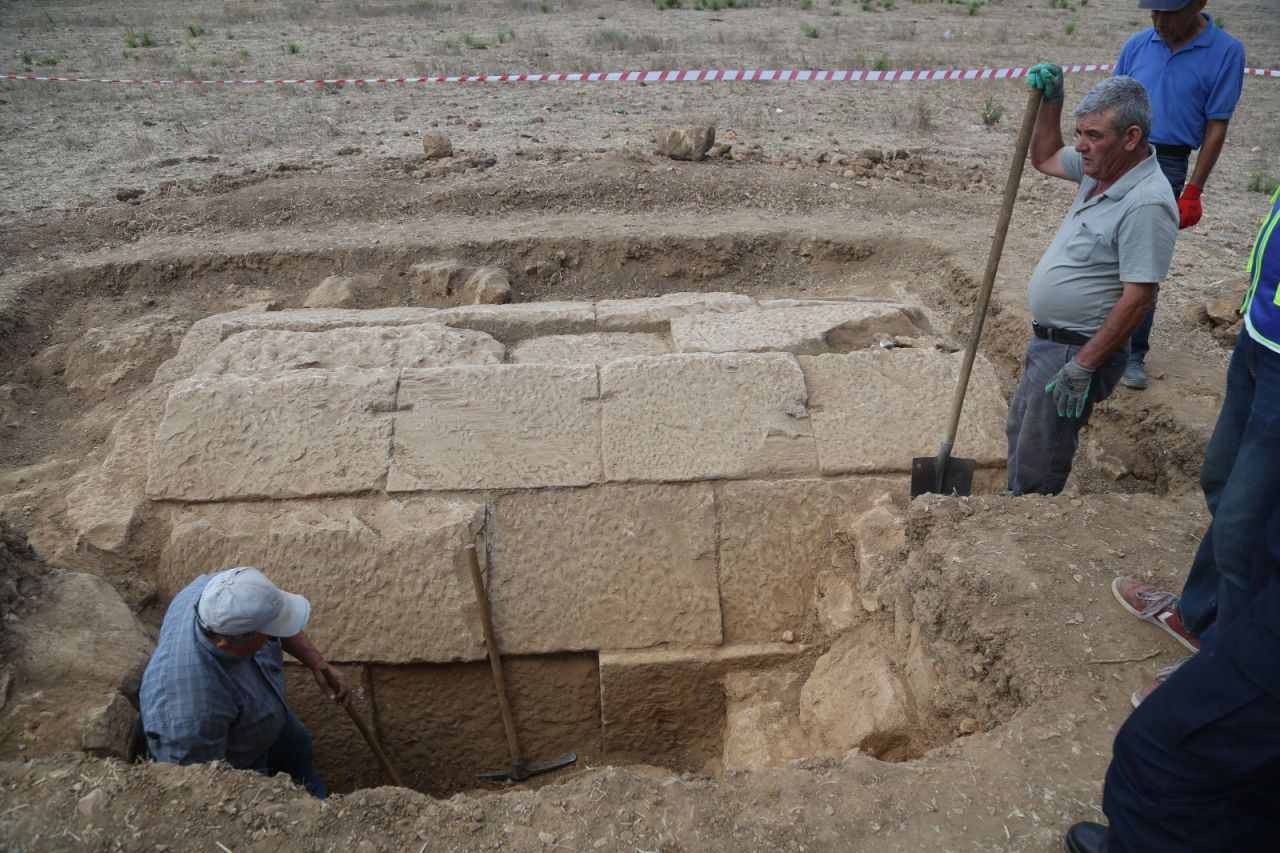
<point>1046,77</point>
<point>1070,388</point>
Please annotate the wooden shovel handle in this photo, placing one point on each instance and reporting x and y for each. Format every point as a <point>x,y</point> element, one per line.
<point>495,660</point>
<point>364,730</point>
<point>993,263</point>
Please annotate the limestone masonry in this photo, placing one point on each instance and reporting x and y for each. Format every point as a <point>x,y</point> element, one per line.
<point>652,483</point>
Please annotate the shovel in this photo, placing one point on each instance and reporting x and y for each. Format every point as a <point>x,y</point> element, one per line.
<point>519,769</point>
<point>943,473</point>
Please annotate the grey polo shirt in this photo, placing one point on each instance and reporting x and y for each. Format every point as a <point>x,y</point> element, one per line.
<point>1123,234</point>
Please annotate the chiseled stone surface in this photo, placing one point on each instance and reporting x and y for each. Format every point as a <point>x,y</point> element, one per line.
<point>367,347</point>
<point>874,411</point>
<point>668,705</point>
<point>496,426</point>
<point>320,319</point>
<point>654,314</point>
<point>604,567</point>
<point>387,580</point>
<point>705,416</point>
<point>310,433</point>
<point>775,539</point>
<point>591,348</point>
<point>762,720</point>
<point>440,725</point>
<point>518,321</point>
<point>799,329</point>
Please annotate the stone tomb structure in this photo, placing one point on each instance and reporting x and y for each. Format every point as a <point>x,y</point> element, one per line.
<point>653,485</point>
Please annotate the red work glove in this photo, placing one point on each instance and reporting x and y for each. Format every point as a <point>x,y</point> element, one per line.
<point>1189,209</point>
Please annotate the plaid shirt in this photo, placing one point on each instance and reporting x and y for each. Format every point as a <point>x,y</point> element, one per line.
<point>201,704</point>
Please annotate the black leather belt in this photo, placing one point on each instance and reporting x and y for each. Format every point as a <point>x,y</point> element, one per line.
<point>1173,150</point>
<point>1060,336</point>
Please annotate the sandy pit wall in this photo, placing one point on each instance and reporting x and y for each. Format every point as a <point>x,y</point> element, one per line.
<point>653,486</point>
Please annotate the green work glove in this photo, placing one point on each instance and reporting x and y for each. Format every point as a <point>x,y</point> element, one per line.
<point>1046,77</point>
<point>1070,389</point>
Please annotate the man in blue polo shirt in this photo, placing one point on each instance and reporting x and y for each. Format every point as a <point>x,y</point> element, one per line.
<point>1193,72</point>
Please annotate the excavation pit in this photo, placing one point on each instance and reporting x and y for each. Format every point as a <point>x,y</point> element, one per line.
<point>689,507</point>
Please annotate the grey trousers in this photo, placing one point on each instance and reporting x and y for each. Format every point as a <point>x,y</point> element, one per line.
<point>1042,444</point>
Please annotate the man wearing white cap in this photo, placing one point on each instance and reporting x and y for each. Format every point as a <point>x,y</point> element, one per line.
<point>214,689</point>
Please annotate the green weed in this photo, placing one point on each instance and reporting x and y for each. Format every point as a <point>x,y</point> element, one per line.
<point>991,114</point>
<point>1069,28</point>
<point>27,59</point>
<point>1220,22</point>
<point>881,64</point>
<point>195,30</point>
<point>812,32</point>
<point>1261,182</point>
<point>888,5</point>
<point>139,38</point>
<point>806,5</point>
<point>544,8</point>
<point>663,5</point>
<point>975,5</point>
<point>48,61</point>
<point>291,48</point>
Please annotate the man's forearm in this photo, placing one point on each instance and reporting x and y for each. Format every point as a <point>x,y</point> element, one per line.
<point>1046,135</point>
<point>1215,135</point>
<point>1135,303</point>
<point>301,647</point>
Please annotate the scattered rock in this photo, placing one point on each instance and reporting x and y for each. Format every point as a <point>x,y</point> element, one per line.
<point>129,193</point>
<point>93,804</point>
<point>722,149</point>
<point>343,291</point>
<point>434,279</point>
<point>690,143</point>
<point>436,144</point>
<point>486,286</point>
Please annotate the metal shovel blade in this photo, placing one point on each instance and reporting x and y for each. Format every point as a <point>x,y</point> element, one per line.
<point>524,770</point>
<point>956,479</point>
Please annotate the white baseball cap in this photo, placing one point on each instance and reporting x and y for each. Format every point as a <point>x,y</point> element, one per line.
<point>243,601</point>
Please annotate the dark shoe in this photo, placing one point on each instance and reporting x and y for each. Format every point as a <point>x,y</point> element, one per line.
<point>1135,376</point>
<point>1085,837</point>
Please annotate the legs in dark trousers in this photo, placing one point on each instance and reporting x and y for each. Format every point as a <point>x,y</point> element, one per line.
<point>1042,444</point>
<point>292,753</point>
<point>1197,765</point>
<point>1241,482</point>
<point>1175,170</point>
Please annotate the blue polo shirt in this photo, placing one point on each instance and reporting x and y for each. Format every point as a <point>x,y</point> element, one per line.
<point>1200,82</point>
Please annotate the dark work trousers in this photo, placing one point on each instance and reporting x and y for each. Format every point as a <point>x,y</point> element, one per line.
<point>1197,766</point>
<point>1174,167</point>
<point>1042,444</point>
<point>293,753</point>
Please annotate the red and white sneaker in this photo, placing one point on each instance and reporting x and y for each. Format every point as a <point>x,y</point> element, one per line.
<point>1153,604</point>
<point>1142,693</point>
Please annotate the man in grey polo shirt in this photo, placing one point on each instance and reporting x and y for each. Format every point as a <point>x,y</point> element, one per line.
<point>1098,278</point>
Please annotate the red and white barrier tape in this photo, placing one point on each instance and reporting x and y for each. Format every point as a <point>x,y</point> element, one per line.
<point>685,76</point>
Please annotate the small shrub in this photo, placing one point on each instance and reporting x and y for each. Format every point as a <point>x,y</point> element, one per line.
<point>888,5</point>
<point>1261,182</point>
<point>812,32</point>
<point>186,72</point>
<point>1084,3</point>
<point>230,35</point>
<point>27,58</point>
<point>48,61</point>
<point>1220,22</point>
<point>1069,28</point>
<point>195,30</point>
<point>291,48</point>
<point>215,62</point>
<point>663,5</point>
<point>450,44</point>
<point>881,64</point>
<point>806,5</point>
<point>139,38</point>
<point>991,114</point>
<point>473,42</point>
<point>544,8</point>
<point>975,5</point>
<point>506,35</point>
<point>243,53</point>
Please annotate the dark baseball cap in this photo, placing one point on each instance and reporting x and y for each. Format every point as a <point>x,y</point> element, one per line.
<point>1162,5</point>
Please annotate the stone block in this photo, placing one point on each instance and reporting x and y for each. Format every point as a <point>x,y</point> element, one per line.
<point>775,539</point>
<point>365,347</point>
<point>198,342</point>
<point>655,314</point>
<point>668,706</point>
<point>493,427</point>
<point>110,730</point>
<point>435,279</point>
<point>321,319</point>
<point>310,433</point>
<point>343,758</point>
<point>604,567</point>
<point>486,286</point>
<point>801,329</point>
<point>590,348</point>
<point>441,724</point>
<point>705,416</point>
<point>387,580</point>
<point>99,360</point>
<point>873,411</point>
<point>350,291</point>
<point>513,323</point>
